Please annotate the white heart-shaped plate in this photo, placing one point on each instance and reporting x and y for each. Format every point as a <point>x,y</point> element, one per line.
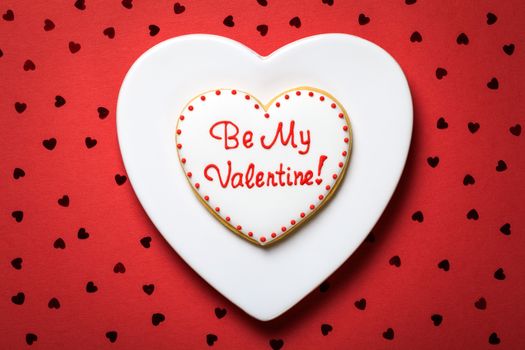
<point>265,282</point>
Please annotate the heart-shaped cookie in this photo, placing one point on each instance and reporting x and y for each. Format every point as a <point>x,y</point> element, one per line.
<point>264,169</point>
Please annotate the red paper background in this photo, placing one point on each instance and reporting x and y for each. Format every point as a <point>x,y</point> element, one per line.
<point>402,298</point>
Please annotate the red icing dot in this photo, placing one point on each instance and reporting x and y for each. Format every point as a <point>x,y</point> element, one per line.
<point>183,160</point>
<point>206,198</point>
<point>321,98</point>
<point>203,98</point>
<point>273,235</point>
<point>247,97</point>
<point>327,187</point>
<point>256,106</point>
<point>266,115</point>
<point>344,153</point>
<point>311,94</point>
<point>262,239</point>
<point>197,185</point>
<point>312,207</point>
<point>334,176</point>
<point>298,93</point>
<point>341,115</point>
<point>321,197</point>
<point>303,215</point>
<point>286,96</point>
<point>345,127</point>
<point>239,227</point>
<point>250,233</point>
<point>217,209</point>
<point>190,108</point>
<point>333,105</point>
<point>292,222</point>
<point>178,132</point>
<point>234,92</point>
<point>181,117</point>
<point>346,139</point>
<point>218,92</point>
<point>278,104</point>
<point>283,229</point>
<point>179,146</point>
<point>189,174</point>
<point>228,218</point>
<point>340,164</point>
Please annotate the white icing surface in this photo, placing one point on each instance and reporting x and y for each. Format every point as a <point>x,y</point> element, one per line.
<point>264,213</point>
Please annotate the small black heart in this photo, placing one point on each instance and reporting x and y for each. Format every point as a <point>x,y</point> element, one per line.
<point>442,123</point>
<point>20,107</point>
<point>263,2</point>
<point>17,263</point>
<point>90,142</point>
<point>416,37</point>
<point>103,112</point>
<point>18,173</point>
<point>82,233</point>
<point>480,304</point>
<point>50,144</point>
<point>462,39</point>
<point>363,19</point>
<point>491,18</point>
<point>220,313</point>
<point>157,318</point>
<point>59,101</point>
<point>295,22</point>
<point>9,15</point>
<point>120,179</point>
<point>64,201</point>
<point>178,8</point>
<point>91,287</point>
<point>112,336</point>
<point>119,268</point>
<point>499,274</point>
<point>494,339</point>
<point>388,334</point>
<point>59,244</point>
<point>262,29</point>
<point>436,319</point>
<point>515,130</point>
<point>145,241</point>
<point>441,73</point>
<point>276,344</point>
<point>148,288</point>
<point>468,180</point>
<point>444,265</point>
<point>418,216</point>
<point>360,304</point>
<point>433,161</point>
<point>211,339</point>
<point>19,298</point>
<point>127,4</point>
<point>410,2</point>
<point>502,166</point>
<point>473,127</point>
<point>505,229</point>
<point>326,328</point>
<point>80,4</point>
<point>31,338</point>
<point>48,25</point>
<point>472,214</point>
<point>53,304</point>
<point>29,65</point>
<point>74,47</point>
<point>18,215</point>
<point>508,49</point>
<point>228,21</point>
<point>109,32</point>
<point>493,84</point>
<point>395,261</point>
<point>153,30</point>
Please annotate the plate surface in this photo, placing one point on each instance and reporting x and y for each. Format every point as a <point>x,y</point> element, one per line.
<point>265,282</point>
